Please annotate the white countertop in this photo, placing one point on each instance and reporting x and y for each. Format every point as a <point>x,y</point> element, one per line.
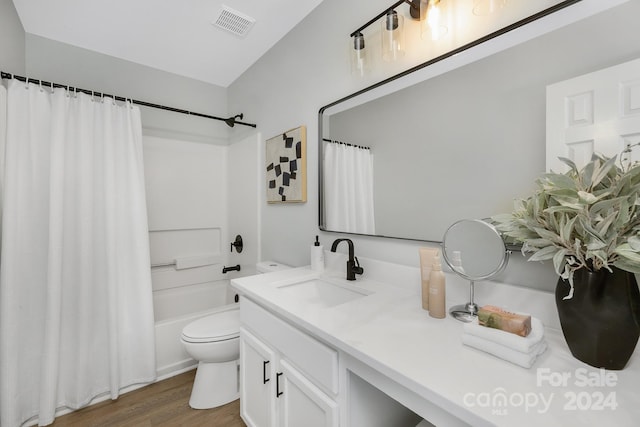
<point>390,332</point>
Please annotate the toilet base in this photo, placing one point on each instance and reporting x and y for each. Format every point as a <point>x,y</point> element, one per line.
<point>216,384</point>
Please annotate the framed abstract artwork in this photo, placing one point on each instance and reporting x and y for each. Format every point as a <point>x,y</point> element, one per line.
<point>286,162</point>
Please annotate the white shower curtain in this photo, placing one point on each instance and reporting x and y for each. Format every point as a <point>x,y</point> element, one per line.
<point>76,313</point>
<point>348,188</point>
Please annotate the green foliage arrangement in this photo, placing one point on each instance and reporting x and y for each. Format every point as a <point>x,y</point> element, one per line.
<point>586,218</point>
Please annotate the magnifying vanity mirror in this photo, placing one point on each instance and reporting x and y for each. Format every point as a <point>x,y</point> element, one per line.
<point>474,250</point>
<point>464,135</point>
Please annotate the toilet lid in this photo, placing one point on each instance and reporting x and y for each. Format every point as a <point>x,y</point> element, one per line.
<point>216,327</point>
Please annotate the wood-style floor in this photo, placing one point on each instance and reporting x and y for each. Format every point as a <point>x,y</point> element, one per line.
<point>165,403</point>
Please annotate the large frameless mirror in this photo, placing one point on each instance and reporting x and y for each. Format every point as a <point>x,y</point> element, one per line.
<point>449,141</point>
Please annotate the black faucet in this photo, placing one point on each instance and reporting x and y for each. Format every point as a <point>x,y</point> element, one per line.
<point>353,266</point>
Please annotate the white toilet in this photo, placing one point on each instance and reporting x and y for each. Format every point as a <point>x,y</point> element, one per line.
<point>214,342</point>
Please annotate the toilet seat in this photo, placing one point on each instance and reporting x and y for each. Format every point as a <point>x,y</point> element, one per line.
<point>216,327</point>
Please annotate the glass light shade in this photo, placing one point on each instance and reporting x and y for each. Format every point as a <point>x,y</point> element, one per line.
<point>487,7</point>
<point>358,53</point>
<point>392,36</point>
<point>434,26</point>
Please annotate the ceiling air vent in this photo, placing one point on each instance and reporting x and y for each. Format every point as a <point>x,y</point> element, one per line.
<point>234,21</point>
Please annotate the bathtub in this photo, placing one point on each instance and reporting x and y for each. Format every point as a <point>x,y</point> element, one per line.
<point>176,307</point>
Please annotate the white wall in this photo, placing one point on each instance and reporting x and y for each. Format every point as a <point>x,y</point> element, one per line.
<point>285,89</point>
<point>12,39</point>
<point>306,70</point>
<point>65,64</point>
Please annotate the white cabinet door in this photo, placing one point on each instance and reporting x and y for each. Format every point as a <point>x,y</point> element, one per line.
<point>282,371</point>
<point>257,382</point>
<point>301,403</point>
<point>596,112</point>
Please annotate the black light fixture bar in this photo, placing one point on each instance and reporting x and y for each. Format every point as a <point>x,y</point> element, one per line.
<point>229,121</point>
<point>414,4</point>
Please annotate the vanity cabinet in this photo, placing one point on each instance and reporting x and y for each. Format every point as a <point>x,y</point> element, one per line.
<point>287,378</point>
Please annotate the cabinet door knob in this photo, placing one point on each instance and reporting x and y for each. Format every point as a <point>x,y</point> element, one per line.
<point>278,392</point>
<point>264,372</point>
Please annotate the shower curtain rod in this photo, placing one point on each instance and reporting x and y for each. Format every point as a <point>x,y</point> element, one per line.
<point>231,121</point>
<point>335,141</point>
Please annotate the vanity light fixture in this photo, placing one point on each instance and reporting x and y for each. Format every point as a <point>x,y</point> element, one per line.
<point>392,34</point>
<point>435,18</point>
<point>435,25</point>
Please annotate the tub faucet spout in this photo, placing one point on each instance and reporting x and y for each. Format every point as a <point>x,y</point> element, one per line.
<point>353,266</point>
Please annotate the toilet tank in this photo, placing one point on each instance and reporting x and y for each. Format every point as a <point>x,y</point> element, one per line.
<point>269,266</point>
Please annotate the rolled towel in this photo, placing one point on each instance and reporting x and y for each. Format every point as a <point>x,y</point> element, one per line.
<point>499,318</point>
<point>526,360</point>
<point>515,342</point>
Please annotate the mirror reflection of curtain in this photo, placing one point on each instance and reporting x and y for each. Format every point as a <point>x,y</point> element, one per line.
<point>76,310</point>
<point>348,181</point>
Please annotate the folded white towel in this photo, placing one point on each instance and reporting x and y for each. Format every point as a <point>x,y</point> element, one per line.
<point>526,360</point>
<point>507,339</point>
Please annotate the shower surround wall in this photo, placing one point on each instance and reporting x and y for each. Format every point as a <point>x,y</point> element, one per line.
<point>199,196</point>
<point>186,202</point>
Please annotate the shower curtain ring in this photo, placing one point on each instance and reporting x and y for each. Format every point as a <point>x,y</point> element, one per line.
<point>26,82</point>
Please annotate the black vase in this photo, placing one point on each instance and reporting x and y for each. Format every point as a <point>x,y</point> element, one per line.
<point>601,323</point>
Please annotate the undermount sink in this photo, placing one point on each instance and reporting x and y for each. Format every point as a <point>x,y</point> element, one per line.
<point>322,293</point>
